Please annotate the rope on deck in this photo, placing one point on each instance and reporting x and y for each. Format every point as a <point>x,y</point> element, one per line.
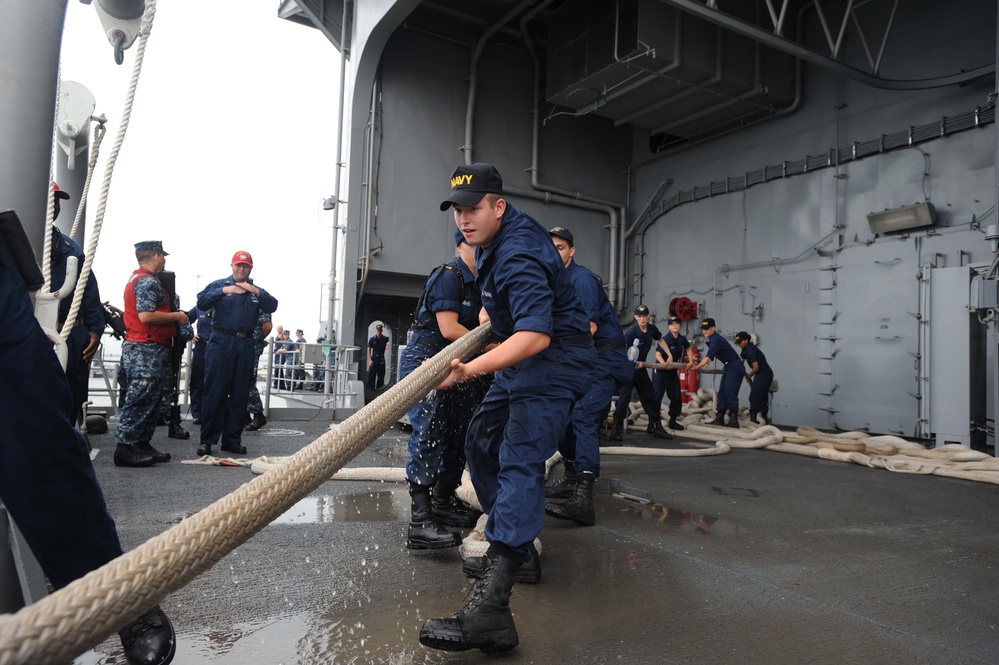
<point>84,613</point>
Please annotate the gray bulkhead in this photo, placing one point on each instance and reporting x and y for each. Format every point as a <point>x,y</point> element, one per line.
<point>840,311</point>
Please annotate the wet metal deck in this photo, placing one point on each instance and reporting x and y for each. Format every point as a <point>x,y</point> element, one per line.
<point>750,557</point>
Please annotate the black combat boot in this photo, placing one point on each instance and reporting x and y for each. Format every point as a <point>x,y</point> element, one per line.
<point>616,432</point>
<point>733,418</point>
<point>424,533</point>
<point>149,640</point>
<point>719,419</point>
<point>579,507</point>
<point>204,449</point>
<point>566,483</point>
<point>528,573</point>
<point>448,509</point>
<point>257,422</point>
<point>234,447</point>
<point>650,428</point>
<point>673,425</point>
<point>657,429</point>
<point>485,622</point>
<point>125,455</point>
<point>178,432</point>
<point>147,448</point>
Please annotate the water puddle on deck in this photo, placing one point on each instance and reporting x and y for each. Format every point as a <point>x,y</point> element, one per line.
<point>383,506</point>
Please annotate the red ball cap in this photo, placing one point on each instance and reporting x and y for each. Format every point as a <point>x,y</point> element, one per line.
<point>242,257</point>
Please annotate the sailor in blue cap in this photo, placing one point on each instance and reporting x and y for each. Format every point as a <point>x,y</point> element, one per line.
<point>731,379</point>
<point>543,363</point>
<point>759,377</point>
<point>447,309</point>
<point>639,337</point>
<point>145,357</point>
<point>580,446</point>
<point>85,337</point>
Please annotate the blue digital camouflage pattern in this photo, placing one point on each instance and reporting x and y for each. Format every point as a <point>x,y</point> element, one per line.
<point>147,373</point>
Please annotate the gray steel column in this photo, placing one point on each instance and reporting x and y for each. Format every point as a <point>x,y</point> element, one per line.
<point>72,154</point>
<point>30,40</point>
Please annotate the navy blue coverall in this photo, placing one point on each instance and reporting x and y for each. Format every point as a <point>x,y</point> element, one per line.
<point>517,427</point>
<point>47,481</point>
<point>759,392</point>
<point>229,358</point>
<point>440,420</point>
<point>666,382</point>
<point>581,444</point>
<point>89,320</point>
<point>731,379</point>
<point>198,359</point>
<point>639,378</point>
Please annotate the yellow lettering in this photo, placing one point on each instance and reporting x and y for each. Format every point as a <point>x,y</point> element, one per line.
<point>461,180</point>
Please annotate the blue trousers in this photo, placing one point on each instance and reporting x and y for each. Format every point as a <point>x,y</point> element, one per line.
<point>646,395</point>
<point>198,377</point>
<point>47,481</point>
<point>228,367</point>
<point>515,429</point>
<point>77,371</point>
<point>581,443</point>
<point>728,390</point>
<point>439,421</point>
<point>760,392</point>
<point>666,383</point>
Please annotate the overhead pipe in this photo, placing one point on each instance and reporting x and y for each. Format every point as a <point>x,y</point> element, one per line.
<point>473,73</point>
<point>746,29</point>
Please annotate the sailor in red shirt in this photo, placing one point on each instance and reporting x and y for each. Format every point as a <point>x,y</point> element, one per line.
<point>145,357</point>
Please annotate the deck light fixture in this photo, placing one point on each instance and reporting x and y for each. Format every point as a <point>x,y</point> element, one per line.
<point>906,217</point>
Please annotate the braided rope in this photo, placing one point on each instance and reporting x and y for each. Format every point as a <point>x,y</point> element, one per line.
<point>145,27</point>
<point>95,150</point>
<point>80,616</point>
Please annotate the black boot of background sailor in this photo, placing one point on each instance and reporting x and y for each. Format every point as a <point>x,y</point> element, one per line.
<point>579,507</point>
<point>424,533</point>
<point>176,431</point>
<point>657,429</point>
<point>674,425</point>
<point>256,423</point>
<point>563,487</point>
<point>448,509</point>
<point>485,622</point>
<point>617,432</point>
<point>733,419</point>
<point>719,418</point>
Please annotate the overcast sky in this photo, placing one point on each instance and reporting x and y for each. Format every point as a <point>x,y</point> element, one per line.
<point>230,147</point>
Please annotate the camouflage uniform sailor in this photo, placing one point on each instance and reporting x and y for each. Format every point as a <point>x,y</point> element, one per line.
<point>145,357</point>
<point>253,405</point>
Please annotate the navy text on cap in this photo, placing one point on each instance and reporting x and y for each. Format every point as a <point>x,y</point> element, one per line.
<point>470,182</point>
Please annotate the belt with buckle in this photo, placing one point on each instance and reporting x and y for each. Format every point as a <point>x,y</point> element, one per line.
<point>234,333</point>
